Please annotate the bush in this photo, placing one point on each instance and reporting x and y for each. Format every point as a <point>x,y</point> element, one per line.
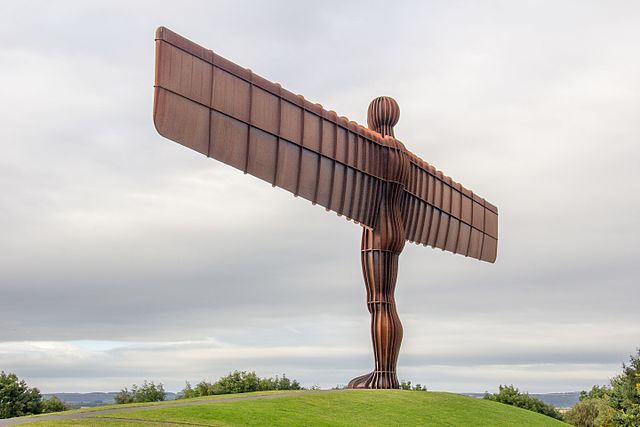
<point>203,388</point>
<point>238,382</point>
<point>53,404</point>
<point>124,396</point>
<point>406,385</point>
<point>16,398</point>
<point>591,412</point>
<point>147,392</point>
<point>510,395</point>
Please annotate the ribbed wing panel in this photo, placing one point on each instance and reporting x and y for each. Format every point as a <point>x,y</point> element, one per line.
<point>441,213</point>
<point>226,112</point>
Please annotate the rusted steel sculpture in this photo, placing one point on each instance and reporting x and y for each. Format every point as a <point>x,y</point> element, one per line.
<point>227,112</point>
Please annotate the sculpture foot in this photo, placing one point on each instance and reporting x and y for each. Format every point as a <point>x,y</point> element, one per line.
<point>376,380</point>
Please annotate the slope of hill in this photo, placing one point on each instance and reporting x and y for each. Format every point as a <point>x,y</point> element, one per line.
<point>342,408</point>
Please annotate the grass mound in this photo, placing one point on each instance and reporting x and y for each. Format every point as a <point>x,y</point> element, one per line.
<point>343,408</point>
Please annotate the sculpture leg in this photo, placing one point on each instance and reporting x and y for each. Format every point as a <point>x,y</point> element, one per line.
<point>380,253</point>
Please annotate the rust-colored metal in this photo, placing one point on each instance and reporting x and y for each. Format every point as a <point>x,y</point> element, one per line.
<point>228,113</point>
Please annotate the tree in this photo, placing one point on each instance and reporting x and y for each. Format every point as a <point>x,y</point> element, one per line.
<point>596,392</point>
<point>239,382</point>
<point>53,404</point>
<point>124,396</point>
<point>147,392</point>
<point>624,396</point>
<point>510,395</point>
<point>266,384</point>
<point>285,383</point>
<point>16,398</point>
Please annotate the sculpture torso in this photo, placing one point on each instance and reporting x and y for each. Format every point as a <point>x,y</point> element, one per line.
<point>389,232</point>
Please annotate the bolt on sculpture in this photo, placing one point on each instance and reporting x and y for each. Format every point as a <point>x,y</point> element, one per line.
<point>228,113</point>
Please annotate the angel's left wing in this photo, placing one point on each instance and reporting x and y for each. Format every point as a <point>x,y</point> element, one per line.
<point>441,213</point>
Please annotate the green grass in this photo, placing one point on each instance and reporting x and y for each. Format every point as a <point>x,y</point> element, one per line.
<point>92,423</point>
<point>195,399</point>
<point>170,402</point>
<point>345,408</point>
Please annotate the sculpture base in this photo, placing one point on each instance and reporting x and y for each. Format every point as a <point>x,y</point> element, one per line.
<point>376,380</point>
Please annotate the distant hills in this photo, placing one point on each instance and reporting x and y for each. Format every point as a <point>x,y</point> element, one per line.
<point>559,400</point>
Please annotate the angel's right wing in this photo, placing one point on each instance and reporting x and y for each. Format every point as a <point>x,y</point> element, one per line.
<point>441,213</point>
<point>226,112</point>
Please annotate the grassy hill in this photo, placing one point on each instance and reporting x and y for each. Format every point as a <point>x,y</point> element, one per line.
<point>344,408</point>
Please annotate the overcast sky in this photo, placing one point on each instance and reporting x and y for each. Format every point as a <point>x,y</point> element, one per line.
<point>125,256</point>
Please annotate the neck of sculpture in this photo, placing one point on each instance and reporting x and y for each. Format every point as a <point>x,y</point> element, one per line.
<point>384,130</point>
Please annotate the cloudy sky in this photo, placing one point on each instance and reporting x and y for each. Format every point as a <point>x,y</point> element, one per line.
<point>125,256</point>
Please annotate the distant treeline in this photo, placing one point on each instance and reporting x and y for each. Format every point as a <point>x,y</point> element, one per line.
<point>234,382</point>
<point>238,382</point>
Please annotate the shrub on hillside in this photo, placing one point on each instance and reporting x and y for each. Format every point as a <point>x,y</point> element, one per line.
<point>239,382</point>
<point>53,404</point>
<point>203,388</point>
<point>593,412</point>
<point>406,385</point>
<point>510,395</point>
<point>147,392</point>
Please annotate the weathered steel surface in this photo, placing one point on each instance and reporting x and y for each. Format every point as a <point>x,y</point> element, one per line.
<point>227,112</point>
<point>381,248</point>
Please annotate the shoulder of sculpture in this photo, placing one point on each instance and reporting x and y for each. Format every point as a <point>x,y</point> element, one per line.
<point>391,142</point>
